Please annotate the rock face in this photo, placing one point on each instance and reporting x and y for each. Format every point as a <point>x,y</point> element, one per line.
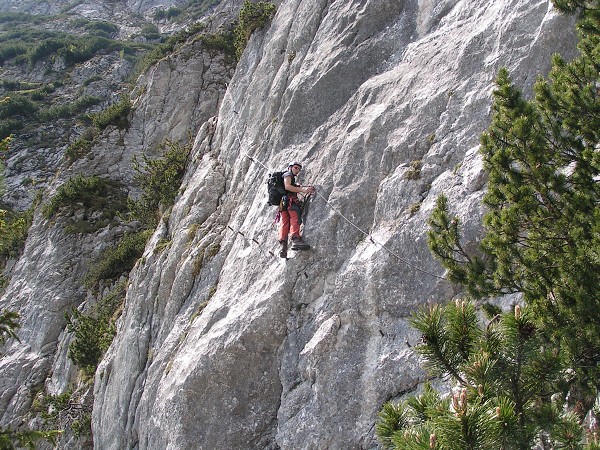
<point>383,101</point>
<point>223,345</point>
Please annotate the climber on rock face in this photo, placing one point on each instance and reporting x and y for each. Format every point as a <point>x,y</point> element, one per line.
<point>290,210</point>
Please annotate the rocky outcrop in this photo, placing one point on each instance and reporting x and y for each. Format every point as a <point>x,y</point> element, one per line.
<point>223,345</point>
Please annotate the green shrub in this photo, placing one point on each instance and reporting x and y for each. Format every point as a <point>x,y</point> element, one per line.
<point>115,114</point>
<point>11,50</point>
<point>414,171</point>
<point>14,17</point>
<point>54,113</point>
<point>153,56</point>
<point>14,227</point>
<point>81,146</point>
<point>83,49</point>
<point>252,16</point>
<point>92,79</point>
<point>166,48</point>
<point>223,42</point>
<point>11,85</point>
<point>68,110</point>
<point>94,193</point>
<point>56,411</point>
<point>79,22</point>
<point>197,9</point>
<point>44,49</point>
<point>100,27</point>
<point>9,127</point>
<point>85,101</point>
<point>170,13</point>
<point>116,261</point>
<point>44,45</point>
<point>94,330</point>
<point>16,106</point>
<point>54,404</point>
<point>159,14</point>
<point>173,11</point>
<point>82,427</point>
<point>10,439</point>
<point>150,32</point>
<point>160,180</point>
<point>41,93</point>
<point>9,322</point>
<point>29,35</point>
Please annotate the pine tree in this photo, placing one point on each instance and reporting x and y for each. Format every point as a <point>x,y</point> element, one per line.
<point>543,226</point>
<point>527,377</point>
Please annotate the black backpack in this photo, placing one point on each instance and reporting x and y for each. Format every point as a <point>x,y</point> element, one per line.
<point>275,188</point>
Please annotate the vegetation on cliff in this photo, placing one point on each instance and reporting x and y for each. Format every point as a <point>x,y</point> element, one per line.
<point>94,330</point>
<point>252,16</point>
<point>159,180</point>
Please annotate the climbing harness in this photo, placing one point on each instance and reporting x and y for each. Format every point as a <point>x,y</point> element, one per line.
<point>338,212</point>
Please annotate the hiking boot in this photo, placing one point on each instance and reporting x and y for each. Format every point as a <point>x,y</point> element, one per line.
<point>284,248</point>
<point>298,244</point>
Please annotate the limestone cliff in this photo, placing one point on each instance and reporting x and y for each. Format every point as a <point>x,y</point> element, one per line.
<point>220,343</point>
<point>170,101</point>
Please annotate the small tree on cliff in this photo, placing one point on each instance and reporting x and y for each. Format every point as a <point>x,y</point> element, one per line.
<point>542,241</point>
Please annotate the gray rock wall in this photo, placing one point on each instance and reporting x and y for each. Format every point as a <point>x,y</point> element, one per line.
<point>223,345</point>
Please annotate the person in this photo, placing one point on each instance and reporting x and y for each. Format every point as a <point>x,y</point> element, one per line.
<point>289,226</point>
